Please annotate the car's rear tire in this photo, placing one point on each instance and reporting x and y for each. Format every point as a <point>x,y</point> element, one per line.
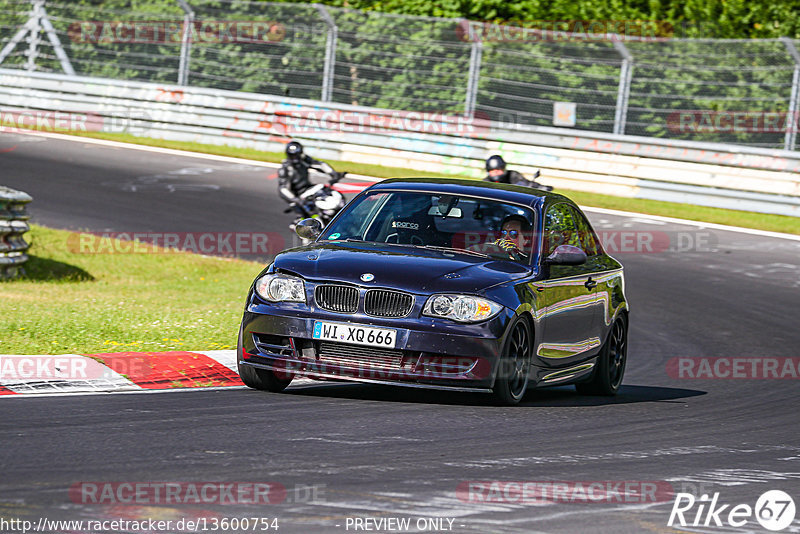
<point>511,381</point>
<point>610,367</point>
<point>262,379</point>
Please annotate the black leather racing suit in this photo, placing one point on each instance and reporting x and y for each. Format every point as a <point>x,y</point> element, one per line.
<point>515,178</point>
<point>508,177</point>
<point>293,176</point>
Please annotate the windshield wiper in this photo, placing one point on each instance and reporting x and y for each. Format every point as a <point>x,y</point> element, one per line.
<point>453,249</point>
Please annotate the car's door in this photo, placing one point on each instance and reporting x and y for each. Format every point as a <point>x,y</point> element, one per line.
<point>567,294</point>
<point>607,272</point>
<point>604,273</point>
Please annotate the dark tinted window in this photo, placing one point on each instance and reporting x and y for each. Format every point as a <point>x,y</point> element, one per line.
<point>560,228</point>
<point>588,240</point>
<point>495,229</point>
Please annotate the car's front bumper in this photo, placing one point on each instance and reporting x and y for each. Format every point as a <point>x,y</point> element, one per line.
<point>429,353</point>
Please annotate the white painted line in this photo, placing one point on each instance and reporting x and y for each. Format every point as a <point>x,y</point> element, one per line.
<point>175,152</point>
<point>62,373</point>
<point>225,357</point>
<point>228,359</point>
<point>699,224</point>
<point>157,150</point>
<point>228,159</point>
<point>99,380</point>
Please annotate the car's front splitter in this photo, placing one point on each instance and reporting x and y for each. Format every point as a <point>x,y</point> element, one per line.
<point>279,367</point>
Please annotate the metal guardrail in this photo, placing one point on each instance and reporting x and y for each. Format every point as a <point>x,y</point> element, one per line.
<point>727,176</point>
<point>635,77</point>
<point>13,225</point>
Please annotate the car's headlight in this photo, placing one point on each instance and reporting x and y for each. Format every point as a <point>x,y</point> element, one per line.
<point>281,288</point>
<point>462,308</point>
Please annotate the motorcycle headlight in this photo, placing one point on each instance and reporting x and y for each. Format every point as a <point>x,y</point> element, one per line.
<point>461,308</point>
<point>281,288</point>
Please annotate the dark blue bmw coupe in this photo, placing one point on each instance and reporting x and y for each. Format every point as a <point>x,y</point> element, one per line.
<point>448,284</point>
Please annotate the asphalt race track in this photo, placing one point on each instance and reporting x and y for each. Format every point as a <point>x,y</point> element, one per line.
<point>370,452</point>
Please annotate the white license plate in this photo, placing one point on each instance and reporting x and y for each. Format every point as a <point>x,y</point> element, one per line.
<point>354,333</point>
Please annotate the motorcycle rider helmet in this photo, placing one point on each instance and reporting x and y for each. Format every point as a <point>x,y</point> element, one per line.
<point>496,168</point>
<point>294,150</point>
<point>495,163</point>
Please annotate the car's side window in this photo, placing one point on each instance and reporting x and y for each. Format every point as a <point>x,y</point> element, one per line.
<point>587,236</point>
<point>560,228</point>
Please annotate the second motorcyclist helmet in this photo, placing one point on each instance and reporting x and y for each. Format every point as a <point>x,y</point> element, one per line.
<point>495,166</point>
<point>294,151</point>
<point>495,163</point>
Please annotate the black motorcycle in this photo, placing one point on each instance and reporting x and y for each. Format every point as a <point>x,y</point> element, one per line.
<point>517,178</point>
<point>320,201</point>
<point>531,182</point>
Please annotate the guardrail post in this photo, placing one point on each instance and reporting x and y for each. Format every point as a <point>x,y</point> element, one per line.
<point>18,37</point>
<point>792,122</point>
<point>186,43</point>
<point>13,224</point>
<point>330,53</point>
<point>624,90</point>
<point>475,57</point>
<point>33,37</point>
<point>38,19</point>
<point>52,36</point>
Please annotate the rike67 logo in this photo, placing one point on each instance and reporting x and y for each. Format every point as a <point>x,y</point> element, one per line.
<point>774,510</point>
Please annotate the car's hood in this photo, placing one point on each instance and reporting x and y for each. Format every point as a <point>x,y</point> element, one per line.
<point>412,269</point>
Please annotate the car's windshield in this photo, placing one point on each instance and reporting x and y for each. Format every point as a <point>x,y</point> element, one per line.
<point>432,220</point>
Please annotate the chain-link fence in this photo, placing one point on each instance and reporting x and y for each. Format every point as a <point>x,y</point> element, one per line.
<point>730,91</point>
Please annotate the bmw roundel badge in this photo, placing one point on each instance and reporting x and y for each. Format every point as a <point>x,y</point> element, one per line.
<point>367,277</point>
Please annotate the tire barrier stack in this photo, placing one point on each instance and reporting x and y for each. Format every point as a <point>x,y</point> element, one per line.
<point>13,225</point>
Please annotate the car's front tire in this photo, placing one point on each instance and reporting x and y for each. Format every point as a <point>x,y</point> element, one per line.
<point>255,378</point>
<point>610,368</point>
<point>511,381</point>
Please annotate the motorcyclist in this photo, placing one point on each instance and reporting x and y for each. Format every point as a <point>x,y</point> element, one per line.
<point>293,178</point>
<point>497,173</point>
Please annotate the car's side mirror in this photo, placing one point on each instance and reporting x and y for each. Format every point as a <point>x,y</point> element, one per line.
<point>308,228</point>
<point>566,255</point>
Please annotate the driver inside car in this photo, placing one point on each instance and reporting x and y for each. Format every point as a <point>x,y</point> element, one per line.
<point>515,237</point>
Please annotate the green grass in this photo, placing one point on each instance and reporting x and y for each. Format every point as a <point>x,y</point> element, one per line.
<point>71,302</point>
<point>747,219</point>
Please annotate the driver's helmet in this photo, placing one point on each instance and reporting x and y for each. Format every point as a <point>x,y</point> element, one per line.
<point>294,151</point>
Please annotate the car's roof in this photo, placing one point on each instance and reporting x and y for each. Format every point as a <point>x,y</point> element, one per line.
<point>527,196</point>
